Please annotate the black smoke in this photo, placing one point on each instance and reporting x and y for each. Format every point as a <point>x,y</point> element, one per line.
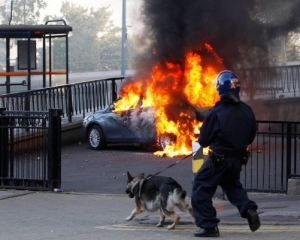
<point>238,30</point>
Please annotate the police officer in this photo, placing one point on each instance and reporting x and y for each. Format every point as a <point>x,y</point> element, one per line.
<point>228,129</point>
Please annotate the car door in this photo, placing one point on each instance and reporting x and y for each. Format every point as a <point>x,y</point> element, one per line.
<point>144,125</point>
<point>116,127</point>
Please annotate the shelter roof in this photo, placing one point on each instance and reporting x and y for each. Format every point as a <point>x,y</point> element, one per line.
<point>32,31</point>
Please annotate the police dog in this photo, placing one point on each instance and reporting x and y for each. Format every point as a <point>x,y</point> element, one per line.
<point>157,193</point>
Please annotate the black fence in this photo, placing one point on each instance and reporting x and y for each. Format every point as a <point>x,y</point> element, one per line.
<point>271,82</point>
<point>30,149</point>
<point>275,157</point>
<point>75,100</point>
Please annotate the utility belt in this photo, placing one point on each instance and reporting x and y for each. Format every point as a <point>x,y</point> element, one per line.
<point>216,158</point>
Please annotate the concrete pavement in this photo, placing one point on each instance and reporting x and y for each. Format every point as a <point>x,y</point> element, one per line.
<point>70,215</point>
<point>93,204</point>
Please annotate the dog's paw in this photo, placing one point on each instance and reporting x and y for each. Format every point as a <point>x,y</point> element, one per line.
<point>160,225</point>
<point>129,218</point>
<point>171,227</point>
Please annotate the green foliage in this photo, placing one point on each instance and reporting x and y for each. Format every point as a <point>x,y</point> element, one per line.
<point>94,44</point>
<point>110,50</point>
<point>30,16</point>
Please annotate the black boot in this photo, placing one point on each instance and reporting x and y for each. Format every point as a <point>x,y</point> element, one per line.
<point>207,232</point>
<point>253,219</point>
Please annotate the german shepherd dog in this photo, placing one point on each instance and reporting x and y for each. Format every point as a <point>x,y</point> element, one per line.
<point>157,193</point>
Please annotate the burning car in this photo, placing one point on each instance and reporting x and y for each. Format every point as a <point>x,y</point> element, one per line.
<point>108,126</point>
<point>157,106</point>
<point>135,125</point>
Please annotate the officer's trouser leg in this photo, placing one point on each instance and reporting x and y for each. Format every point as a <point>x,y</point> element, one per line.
<point>234,190</point>
<point>204,187</point>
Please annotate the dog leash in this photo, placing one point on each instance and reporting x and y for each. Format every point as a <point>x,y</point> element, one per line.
<point>170,166</point>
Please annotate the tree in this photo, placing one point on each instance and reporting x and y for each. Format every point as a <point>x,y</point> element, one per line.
<point>23,12</point>
<point>110,50</point>
<point>93,39</point>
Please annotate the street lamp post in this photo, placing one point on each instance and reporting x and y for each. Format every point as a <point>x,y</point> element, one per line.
<point>9,7</point>
<point>124,38</point>
<point>24,13</point>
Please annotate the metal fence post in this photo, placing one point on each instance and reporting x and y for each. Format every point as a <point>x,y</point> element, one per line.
<point>54,148</point>
<point>113,90</point>
<point>288,151</point>
<point>27,101</point>
<point>69,103</point>
<point>3,145</point>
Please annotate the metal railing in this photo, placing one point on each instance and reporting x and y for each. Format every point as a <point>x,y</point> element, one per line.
<point>76,99</point>
<point>30,149</point>
<point>273,81</point>
<point>275,157</point>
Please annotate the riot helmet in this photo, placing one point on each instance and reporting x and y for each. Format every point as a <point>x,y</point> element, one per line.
<point>227,83</point>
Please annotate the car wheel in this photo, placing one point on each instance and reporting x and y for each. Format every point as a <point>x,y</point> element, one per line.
<point>166,139</point>
<point>96,138</point>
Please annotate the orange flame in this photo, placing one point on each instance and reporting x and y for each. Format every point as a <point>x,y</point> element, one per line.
<point>170,89</point>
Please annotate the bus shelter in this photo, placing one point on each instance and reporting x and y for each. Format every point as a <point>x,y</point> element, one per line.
<point>40,56</point>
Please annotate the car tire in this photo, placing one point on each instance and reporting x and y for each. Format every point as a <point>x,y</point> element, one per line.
<point>96,138</point>
<point>166,139</point>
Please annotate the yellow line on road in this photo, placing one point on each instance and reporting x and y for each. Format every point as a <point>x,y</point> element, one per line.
<point>223,228</point>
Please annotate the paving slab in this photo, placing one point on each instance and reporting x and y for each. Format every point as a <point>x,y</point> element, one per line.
<point>50,215</point>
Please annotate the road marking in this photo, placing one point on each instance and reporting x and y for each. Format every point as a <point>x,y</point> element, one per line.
<point>185,228</point>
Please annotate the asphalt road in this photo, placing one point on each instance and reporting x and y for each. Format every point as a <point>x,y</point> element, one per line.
<point>105,171</point>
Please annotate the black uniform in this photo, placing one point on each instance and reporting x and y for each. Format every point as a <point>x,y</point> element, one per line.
<point>228,129</point>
